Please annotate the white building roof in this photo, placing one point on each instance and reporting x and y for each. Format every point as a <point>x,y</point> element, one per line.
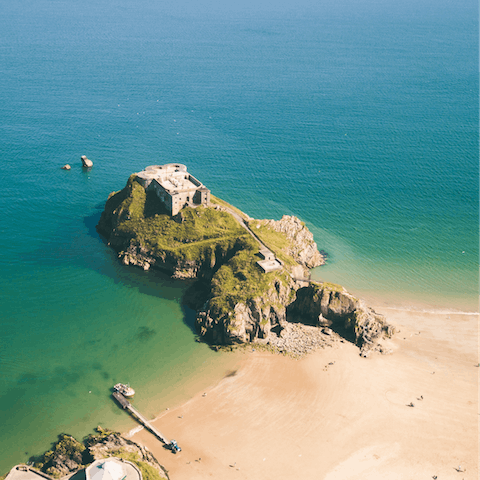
<point>108,469</point>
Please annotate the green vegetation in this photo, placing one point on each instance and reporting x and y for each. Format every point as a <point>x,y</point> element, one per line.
<point>94,438</point>
<point>66,446</point>
<point>331,286</point>
<point>194,234</point>
<point>223,203</point>
<point>241,279</point>
<point>148,472</point>
<point>277,242</point>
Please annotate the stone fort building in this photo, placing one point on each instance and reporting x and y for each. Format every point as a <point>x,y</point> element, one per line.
<point>174,186</point>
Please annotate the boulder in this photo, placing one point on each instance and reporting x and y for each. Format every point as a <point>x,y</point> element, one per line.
<point>66,167</point>
<point>86,162</point>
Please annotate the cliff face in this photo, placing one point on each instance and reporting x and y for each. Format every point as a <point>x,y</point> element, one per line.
<point>328,305</point>
<point>220,249</point>
<point>264,319</point>
<point>249,319</point>
<point>136,253</point>
<point>301,245</point>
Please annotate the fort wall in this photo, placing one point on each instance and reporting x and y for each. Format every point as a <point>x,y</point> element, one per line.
<point>174,186</point>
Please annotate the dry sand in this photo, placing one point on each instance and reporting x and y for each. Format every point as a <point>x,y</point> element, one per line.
<point>334,415</point>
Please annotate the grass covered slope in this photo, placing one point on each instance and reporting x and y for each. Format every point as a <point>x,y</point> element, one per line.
<point>277,242</point>
<point>241,279</point>
<point>138,227</point>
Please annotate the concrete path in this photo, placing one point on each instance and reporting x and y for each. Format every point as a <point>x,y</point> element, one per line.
<point>23,472</point>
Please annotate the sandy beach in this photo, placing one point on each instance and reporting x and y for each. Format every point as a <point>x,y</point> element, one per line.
<point>334,415</point>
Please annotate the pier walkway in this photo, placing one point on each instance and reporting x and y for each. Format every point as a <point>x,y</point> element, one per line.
<point>126,405</point>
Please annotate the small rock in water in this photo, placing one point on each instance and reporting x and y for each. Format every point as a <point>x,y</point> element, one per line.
<point>86,162</point>
<point>66,167</point>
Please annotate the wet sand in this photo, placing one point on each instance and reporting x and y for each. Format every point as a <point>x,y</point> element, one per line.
<point>334,415</point>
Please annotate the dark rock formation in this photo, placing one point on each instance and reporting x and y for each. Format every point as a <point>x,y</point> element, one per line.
<point>65,457</point>
<point>328,305</point>
<point>249,321</point>
<point>265,319</point>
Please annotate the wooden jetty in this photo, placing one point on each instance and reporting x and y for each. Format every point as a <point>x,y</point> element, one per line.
<point>126,405</point>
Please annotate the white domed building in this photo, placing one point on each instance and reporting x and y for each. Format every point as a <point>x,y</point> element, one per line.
<point>112,469</point>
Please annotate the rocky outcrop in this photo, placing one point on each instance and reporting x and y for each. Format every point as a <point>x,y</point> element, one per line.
<point>328,305</point>
<point>137,254</point>
<point>249,321</point>
<point>267,319</point>
<point>66,456</point>
<point>86,163</point>
<point>302,246</point>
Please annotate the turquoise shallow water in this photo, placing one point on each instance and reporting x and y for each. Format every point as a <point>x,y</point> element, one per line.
<point>361,120</point>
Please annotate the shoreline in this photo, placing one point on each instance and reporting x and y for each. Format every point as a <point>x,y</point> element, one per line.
<point>433,305</point>
<point>412,319</point>
<point>430,296</point>
<point>346,417</point>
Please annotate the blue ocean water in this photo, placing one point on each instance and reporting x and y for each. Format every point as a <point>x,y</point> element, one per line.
<point>360,119</point>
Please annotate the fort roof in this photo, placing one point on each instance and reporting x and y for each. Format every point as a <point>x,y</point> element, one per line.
<point>174,186</point>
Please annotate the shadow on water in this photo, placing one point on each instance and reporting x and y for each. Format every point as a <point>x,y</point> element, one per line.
<point>155,282</point>
<point>92,221</point>
<point>190,293</point>
<point>78,244</point>
<point>86,248</point>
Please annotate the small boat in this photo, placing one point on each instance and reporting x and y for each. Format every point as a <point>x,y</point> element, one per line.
<point>125,389</point>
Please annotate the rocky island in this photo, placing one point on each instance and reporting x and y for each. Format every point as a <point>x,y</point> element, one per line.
<point>251,279</point>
